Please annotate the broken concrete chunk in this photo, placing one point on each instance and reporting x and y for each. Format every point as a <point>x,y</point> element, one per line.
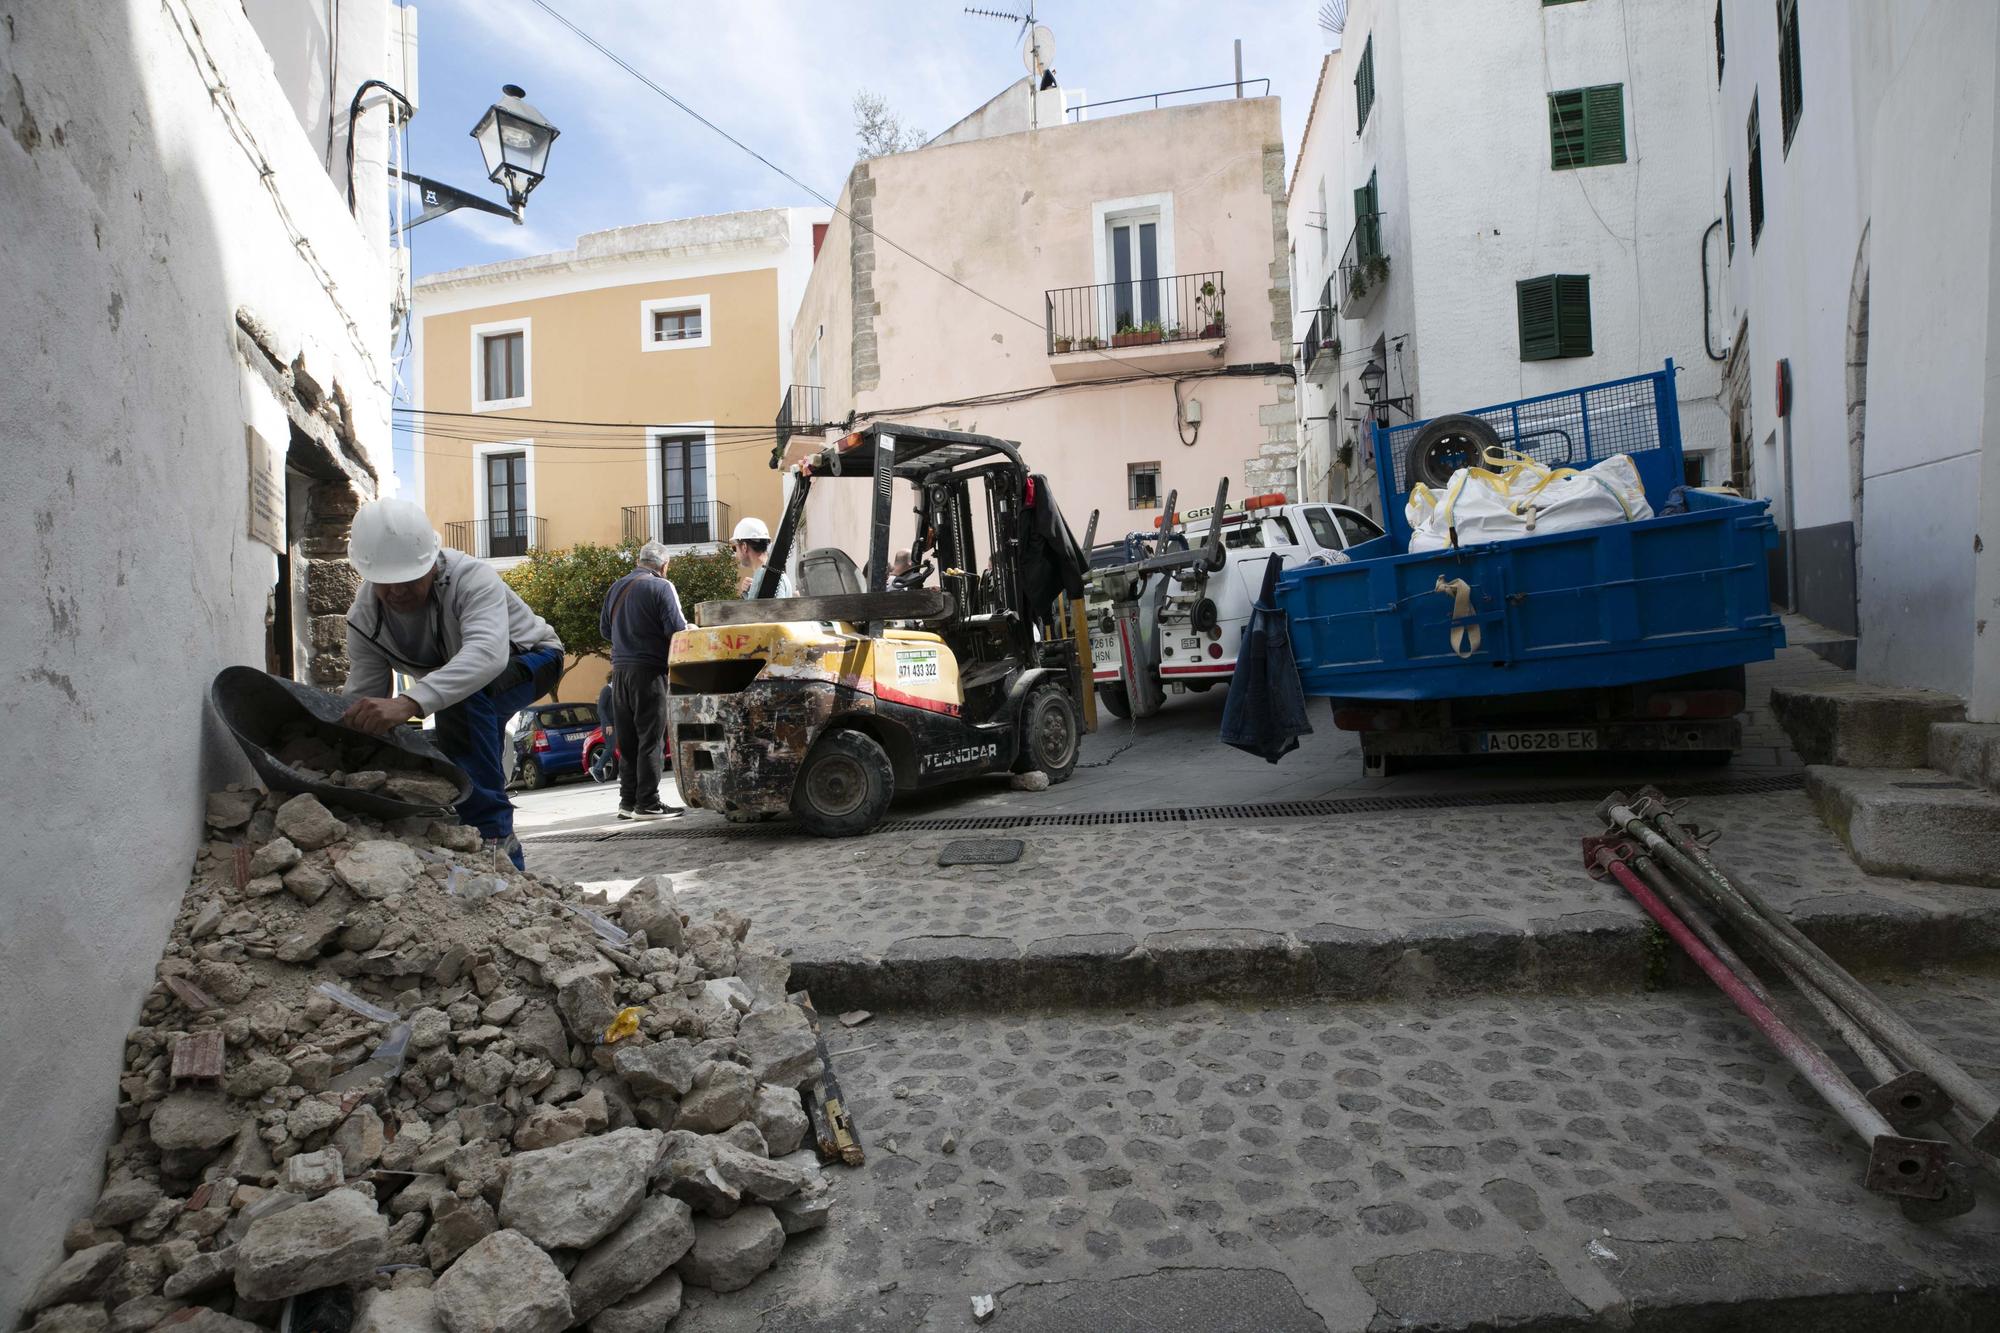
<point>547,1126</point>
<point>583,997</point>
<point>637,1252</point>
<point>205,1272</point>
<point>378,868</point>
<point>141,1314</point>
<point>308,823</point>
<point>327,1241</point>
<point>402,1310</point>
<point>231,809</point>
<point>275,857</point>
<point>650,907</point>
<point>124,1200</point>
<point>456,1226</point>
<point>663,1068</point>
<point>91,1318</point>
<point>780,1117</point>
<point>745,1135</point>
<point>573,1194</point>
<point>311,1173</point>
<point>308,881</point>
<point>780,1045</point>
<point>211,1321</point>
<point>722,1094</point>
<point>648,1310</point>
<point>78,1277</point>
<point>421,788</point>
<point>730,1252</point>
<point>193,1121</point>
<point>360,1139</point>
<point>504,1284</point>
<point>809,1209</point>
<point>983,1307</point>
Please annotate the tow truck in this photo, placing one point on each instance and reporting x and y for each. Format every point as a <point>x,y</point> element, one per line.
<point>1190,591</point>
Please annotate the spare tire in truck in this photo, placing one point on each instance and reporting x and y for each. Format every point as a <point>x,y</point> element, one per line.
<point>1445,445</point>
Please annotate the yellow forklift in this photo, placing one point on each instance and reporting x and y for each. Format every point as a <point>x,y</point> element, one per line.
<point>830,703</point>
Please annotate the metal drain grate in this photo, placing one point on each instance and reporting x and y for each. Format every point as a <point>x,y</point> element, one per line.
<point>981,852</point>
<point>1195,814</point>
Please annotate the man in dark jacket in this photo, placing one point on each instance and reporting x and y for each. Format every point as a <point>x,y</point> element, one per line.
<point>642,612</point>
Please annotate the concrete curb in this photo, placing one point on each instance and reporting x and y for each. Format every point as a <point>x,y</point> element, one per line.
<point>1579,953</point>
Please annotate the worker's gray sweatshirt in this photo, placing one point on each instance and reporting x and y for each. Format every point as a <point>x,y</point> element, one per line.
<point>455,645</point>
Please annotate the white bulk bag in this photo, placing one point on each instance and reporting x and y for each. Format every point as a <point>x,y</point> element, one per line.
<point>1518,497</point>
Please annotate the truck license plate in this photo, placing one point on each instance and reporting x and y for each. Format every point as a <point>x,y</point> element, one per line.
<point>1104,647</point>
<point>1536,742</point>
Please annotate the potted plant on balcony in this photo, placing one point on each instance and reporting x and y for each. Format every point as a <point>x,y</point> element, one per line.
<point>1144,334</point>
<point>1064,342</point>
<point>1090,344</point>
<point>1209,304</point>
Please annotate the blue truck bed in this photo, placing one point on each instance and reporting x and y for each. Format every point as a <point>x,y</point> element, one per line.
<point>1660,598</point>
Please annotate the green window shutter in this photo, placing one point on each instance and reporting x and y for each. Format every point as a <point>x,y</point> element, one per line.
<point>1604,124</point>
<point>1566,129</point>
<point>1364,85</point>
<point>1573,314</point>
<point>1535,299</point>
<point>1367,222</point>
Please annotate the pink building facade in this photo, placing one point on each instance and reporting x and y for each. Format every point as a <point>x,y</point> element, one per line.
<point>1117,301</point>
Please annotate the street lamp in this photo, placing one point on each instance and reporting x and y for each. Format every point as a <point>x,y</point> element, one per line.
<point>514,138</point>
<point>1375,379</point>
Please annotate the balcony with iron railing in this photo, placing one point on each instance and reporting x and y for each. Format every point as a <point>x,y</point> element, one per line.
<point>1319,353</point>
<point>1150,324</point>
<point>676,523</point>
<point>508,537</point>
<point>1364,267</point>
<point>800,412</point>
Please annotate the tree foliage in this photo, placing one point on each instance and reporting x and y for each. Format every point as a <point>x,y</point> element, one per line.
<point>567,588</point>
<point>879,131</point>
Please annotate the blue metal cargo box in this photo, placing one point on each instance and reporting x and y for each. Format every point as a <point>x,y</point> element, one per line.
<point>1617,605</point>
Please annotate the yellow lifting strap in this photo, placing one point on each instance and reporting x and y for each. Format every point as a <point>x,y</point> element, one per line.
<point>1465,631</point>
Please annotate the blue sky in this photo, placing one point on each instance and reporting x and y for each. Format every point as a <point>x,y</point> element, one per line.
<point>780,75</point>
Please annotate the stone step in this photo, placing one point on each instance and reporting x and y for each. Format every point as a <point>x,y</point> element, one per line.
<point>1911,822</point>
<point>1409,903</point>
<point>1968,750</point>
<point>1862,726</point>
<point>1637,1162</point>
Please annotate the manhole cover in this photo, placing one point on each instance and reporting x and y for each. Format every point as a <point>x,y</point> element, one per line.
<point>981,852</point>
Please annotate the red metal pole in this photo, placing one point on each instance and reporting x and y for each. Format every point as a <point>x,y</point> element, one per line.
<point>1909,1167</point>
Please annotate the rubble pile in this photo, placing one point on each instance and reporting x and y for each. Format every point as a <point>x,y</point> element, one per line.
<point>379,1063</point>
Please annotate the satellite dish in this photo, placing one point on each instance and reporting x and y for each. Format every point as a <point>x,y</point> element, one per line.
<point>1038,50</point>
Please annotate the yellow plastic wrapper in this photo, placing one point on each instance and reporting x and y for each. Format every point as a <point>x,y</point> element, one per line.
<point>623,1026</point>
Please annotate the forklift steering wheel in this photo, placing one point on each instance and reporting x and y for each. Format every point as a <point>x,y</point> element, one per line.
<point>911,578</point>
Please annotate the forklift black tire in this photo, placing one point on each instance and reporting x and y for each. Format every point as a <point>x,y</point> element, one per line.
<point>1051,734</point>
<point>1116,702</point>
<point>845,786</point>
<point>535,777</point>
<point>1445,445</point>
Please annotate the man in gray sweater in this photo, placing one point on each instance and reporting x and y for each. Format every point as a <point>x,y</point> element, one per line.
<point>641,615</point>
<point>478,654</point>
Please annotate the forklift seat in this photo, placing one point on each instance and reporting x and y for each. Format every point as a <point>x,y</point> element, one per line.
<point>828,571</point>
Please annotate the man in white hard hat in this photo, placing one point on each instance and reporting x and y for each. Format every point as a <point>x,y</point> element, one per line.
<point>752,541</point>
<point>478,653</point>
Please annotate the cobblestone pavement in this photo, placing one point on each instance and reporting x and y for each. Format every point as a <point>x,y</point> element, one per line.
<point>1397,903</point>
<point>1639,1161</point>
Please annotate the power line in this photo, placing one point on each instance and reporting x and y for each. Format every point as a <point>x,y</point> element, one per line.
<point>634,71</point>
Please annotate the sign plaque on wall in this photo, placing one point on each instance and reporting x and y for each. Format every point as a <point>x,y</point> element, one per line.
<point>267,493</point>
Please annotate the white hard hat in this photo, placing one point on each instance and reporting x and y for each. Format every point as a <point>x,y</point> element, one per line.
<point>392,541</point>
<point>751,530</point>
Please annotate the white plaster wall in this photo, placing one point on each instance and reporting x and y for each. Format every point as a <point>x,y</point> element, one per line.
<point>1930,357</point>
<point>136,225</point>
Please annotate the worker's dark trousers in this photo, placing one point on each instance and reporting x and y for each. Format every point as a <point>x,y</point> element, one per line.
<point>639,711</point>
<point>472,733</point>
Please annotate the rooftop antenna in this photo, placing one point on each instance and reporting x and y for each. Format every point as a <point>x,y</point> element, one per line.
<point>1333,17</point>
<point>1038,51</point>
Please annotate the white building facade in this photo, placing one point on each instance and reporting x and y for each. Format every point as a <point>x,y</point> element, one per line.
<point>1855,152</point>
<point>197,391</point>
<point>1494,201</point>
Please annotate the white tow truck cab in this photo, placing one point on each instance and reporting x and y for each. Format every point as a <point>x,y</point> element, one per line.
<point>1197,622</point>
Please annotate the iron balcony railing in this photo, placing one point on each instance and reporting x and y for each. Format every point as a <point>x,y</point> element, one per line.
<point>676,523</point>
<point>1320,352</point>
<point>1075,114</point>
<point>498,538</point>
<point>1184,308</point>
<point>800,413</point>
<point>1364,266</point>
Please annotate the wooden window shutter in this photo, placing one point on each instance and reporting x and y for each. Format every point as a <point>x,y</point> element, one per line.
<point>1364,85</point>
<point>1604,124</point>
<point>1536,302</point>
<point>1566,129</point>
<point>1572,291</point>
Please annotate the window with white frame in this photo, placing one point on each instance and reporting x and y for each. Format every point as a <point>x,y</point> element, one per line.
<point>503,487</point>
<point>683,485</point>
<point>674,322</point>
<point>1135,253</point>
<point>502,355</point>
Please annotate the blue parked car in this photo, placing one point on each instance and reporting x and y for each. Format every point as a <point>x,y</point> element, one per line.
<point>548,742</point>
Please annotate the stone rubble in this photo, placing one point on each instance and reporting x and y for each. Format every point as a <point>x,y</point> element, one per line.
<point>482,1099</point>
